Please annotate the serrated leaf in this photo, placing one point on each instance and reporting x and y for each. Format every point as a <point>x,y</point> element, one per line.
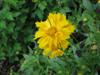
<point>64,10</point>
<point>28,62</point>
<point>87,4</point>
<point>42,5</point>
<point>39,13</point>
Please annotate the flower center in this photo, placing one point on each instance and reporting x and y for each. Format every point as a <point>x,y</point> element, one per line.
<point>51,31</point>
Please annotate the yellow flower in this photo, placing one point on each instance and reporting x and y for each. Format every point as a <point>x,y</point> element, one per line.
<point>53,33</point>
<point>98,1</point>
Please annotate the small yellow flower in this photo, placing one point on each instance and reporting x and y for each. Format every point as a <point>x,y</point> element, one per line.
<point>53,33</point>
<point>98,1</point>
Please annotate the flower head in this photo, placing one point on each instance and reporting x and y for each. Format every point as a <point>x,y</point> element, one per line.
<point>98,1</point>
<point>53,33</point>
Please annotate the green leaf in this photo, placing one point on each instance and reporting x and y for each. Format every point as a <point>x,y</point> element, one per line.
<point>10,27</point>
<point>2,54</point>
<point>35,0</point>
<point>2,25</point>
<point>17,47</point>
<point>6,14</point>
<point>11,2</point>
<point>87,4</point>
<point>39,13</point>
<point>42,5</point>
<point>64,10</point>
<point>54,65</point>
<point>97,38</point>
<point>28,62</point>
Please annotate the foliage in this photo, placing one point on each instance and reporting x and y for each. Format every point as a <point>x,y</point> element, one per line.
<point>20,55</point>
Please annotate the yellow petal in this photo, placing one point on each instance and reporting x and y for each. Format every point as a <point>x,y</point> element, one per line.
<point>64,44</point>
<point>43,25</point>
<point>70,29</point>
<point>46,52</point>
<point>56,53</point>
<point>43,42</point>
<point>39,34</point>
